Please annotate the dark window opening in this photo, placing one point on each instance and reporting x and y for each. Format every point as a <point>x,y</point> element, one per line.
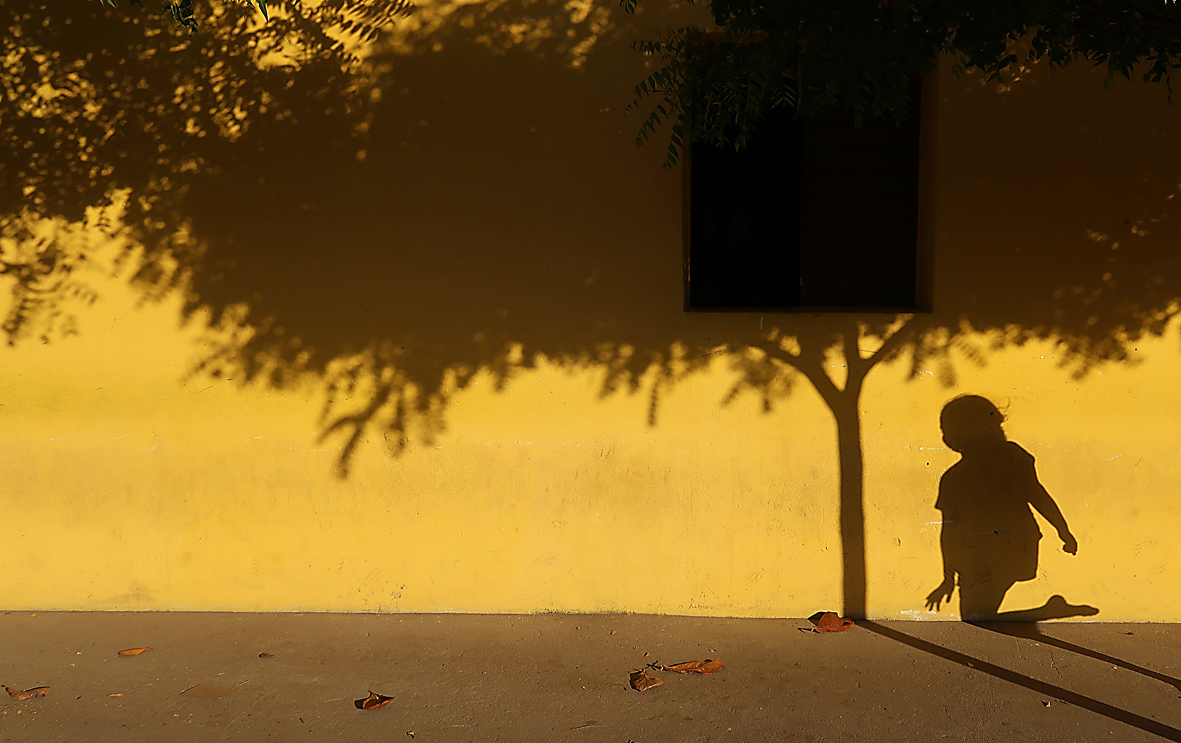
<point>813,214</point>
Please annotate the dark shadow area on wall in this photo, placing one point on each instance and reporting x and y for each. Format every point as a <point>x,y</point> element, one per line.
<point>989,538</point>
<point>1058,693</point>
<point>120,107</point>
<point>468,199</point>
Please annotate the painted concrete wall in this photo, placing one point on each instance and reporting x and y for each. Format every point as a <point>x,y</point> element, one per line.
<point>484,287</point>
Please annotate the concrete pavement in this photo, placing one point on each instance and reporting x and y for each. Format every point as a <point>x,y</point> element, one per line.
<point>565,678</point>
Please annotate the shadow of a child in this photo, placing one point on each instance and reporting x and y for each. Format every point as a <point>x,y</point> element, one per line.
<point>989,537</point>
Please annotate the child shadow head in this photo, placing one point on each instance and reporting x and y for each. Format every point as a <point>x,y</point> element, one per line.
<point>971,423</point>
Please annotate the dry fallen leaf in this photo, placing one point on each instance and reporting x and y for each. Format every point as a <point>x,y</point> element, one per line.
<point>20,696</point>
<point>373,701</point>
<point>830,622</point>
<point>114,695</point>
<point>693,666</point>
<point>265,655</point>
<point>642,681</point>
<point>134,651</point>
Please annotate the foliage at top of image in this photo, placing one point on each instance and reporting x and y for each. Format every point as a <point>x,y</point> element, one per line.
<point>231,158</point>
<point>183,11</point>
<point>862,55</point>
<point>114,112</point>
<point>87,91</point>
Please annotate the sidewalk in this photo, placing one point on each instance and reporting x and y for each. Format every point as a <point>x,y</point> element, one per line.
<point>565,678</point>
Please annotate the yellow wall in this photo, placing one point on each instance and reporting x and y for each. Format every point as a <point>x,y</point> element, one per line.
<point>501,224</point>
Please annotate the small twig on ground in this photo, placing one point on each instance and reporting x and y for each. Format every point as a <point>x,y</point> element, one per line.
<point>590,724</point>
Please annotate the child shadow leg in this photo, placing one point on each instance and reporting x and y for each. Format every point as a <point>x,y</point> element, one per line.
<point>1056,607</point>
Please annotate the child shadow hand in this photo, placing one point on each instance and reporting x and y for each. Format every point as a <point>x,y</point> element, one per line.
<point>942,593</point>
<point>1069,544</point>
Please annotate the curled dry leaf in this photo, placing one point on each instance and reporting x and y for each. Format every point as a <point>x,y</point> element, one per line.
<point>693,666</point>
<point>265,655</point>
<point>20,696</point>
<point>134,651</point>
<point>830,622</point>
<point>373,701</point>
<point>642,681</point>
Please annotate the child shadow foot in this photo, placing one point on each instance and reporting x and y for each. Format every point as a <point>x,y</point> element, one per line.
<point>1056,607</point>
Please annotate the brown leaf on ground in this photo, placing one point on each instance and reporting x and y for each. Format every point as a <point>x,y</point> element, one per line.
<point>830,622</point>
<point>265,655</point>
<point>134,651</point>
<point>20,696</point>
<point>642,681</point>
<point>693,666</point>
<point>373,701</point>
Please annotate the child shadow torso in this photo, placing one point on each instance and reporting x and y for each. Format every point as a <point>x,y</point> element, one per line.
<point>992,537</point>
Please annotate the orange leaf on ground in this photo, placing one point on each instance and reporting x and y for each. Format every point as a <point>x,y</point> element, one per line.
<point>830,622</point>
<point>20,696</point>
<point>642,681</point>
<point>693,666</point>
<point>373,701</point>
<point>134,651</point>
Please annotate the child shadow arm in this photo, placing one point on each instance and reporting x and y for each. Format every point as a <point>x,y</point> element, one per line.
<point>1045,505</point>
<point>944,590</point>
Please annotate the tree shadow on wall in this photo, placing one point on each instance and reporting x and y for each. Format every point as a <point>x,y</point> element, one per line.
<point>112,117</point>
<point>467,198</point>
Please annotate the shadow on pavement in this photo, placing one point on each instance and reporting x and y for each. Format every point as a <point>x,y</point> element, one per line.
<point>1041,687</point>
<point>1033,632</point>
